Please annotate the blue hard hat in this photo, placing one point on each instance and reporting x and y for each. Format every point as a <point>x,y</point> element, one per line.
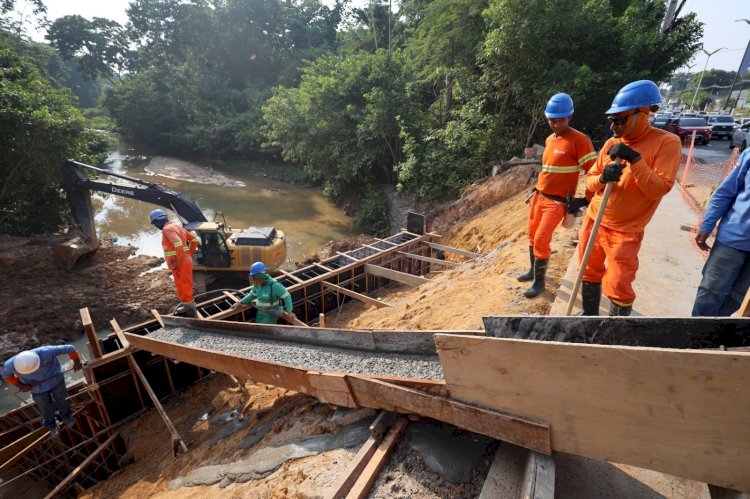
<point>156,214</point>
<point>634,95</point>
<point>559,106</point>
<point>257,268</point>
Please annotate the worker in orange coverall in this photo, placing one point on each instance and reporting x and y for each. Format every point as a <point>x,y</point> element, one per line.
<point>567,151</point>
<point>179,245</point>
<point>648,161</point>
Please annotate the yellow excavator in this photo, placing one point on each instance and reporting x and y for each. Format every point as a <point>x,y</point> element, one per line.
<point>222,252</point>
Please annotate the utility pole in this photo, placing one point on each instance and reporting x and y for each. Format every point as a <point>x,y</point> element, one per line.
<point>669,17</point>
<point>709,54</point>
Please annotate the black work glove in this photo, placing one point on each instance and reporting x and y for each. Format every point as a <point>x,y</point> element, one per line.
<point>611,173</point>
<point>577,204</point>
<point>24,387</point>
<point>620,150</point>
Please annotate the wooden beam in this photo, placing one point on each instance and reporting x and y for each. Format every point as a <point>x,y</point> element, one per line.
<point>450,249</point>
<point>120,335</point>
<point>362,486</point>
<point>427,259</point>
<point>61,486</point>
<point>520,473</point>
<point>682,412</point>
<point>527,432</point>
<point>231,297</point>
<point>177,442</point>
<point>395,275</point>
<point>157,316</point>
<point>88,327</point>
<point>354,294</point>
<point>386,242</point>
<point>290,276</point>
<point>322,267</point>
<point>355,468</point>
<point>744,310</point>
<point>347,256</point>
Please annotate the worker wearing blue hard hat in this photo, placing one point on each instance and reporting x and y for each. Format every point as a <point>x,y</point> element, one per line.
<point>567,152</point>
<point>270,297</point>
<point>179,244</point>
<point>641,162</point>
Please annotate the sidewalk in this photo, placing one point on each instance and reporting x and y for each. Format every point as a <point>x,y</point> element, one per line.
<point>669,270</point>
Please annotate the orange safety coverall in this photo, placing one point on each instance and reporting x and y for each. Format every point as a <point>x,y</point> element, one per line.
<point>564,157</point>
<point>630,206</point>
<point>179,245</point>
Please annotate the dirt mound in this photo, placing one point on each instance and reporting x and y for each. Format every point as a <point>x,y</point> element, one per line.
<point>40,302</point>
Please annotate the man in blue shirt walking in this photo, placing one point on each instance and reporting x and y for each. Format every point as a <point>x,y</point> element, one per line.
<point>726,275</point>
<point>38,371</point>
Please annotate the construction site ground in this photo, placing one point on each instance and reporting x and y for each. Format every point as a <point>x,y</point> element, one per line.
<point>40,305</point>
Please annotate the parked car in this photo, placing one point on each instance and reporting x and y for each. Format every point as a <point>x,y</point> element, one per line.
<point>722,125</point>
<point>741,137</point>
<point>684,127</point>
<point>661,121</point>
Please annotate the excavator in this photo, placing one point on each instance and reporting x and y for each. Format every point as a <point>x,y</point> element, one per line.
<point>222,252</point>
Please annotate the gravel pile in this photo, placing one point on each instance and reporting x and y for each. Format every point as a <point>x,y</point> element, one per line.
<point>311,357</point>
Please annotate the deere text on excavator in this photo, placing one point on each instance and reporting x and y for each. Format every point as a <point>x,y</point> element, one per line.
<point>222,251</point>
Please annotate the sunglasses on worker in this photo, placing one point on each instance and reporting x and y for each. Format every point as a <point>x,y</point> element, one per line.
<point>620,120</point>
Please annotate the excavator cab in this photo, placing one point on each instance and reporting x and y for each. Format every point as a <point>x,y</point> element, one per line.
<point>213,250</point>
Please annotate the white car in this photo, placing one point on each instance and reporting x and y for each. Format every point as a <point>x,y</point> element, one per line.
<point>741,137</point>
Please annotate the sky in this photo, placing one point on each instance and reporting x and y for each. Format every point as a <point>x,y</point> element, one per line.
<point>720,30</point>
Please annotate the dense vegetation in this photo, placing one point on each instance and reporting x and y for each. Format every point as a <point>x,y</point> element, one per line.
<point>425,97</point>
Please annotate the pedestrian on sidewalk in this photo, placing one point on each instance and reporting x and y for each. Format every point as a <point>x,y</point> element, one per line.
<point>38,371</point>
<point>566,152</point>
<point>269,296</point>
<point>179,244</point>
<point>648,161</point>
<point>726,274</point>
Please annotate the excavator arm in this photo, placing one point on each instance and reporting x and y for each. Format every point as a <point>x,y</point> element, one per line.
<point>78,186</point>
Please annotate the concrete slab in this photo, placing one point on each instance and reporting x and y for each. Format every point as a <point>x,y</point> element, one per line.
<point>669,266</point>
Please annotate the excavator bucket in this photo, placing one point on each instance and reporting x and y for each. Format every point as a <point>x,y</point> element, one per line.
<point>73,254</point>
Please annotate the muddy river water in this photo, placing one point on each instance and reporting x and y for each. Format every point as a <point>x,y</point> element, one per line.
<point>303,213</point>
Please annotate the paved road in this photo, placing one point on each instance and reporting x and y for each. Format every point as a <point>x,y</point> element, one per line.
<point>713,152</point>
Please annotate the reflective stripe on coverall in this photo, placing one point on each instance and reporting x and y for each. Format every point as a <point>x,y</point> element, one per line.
<point>267,298</point>
<point>563,159</point>
<point>631,205</point>
<point>179,245</point>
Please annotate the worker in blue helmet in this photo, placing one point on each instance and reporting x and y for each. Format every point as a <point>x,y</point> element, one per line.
<point>270,297</point>
<point>641,162</point>
<point>567,152</point>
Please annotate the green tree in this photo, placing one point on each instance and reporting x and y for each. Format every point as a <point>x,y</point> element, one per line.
<point>344,121</point>
<point>39,129</point>
<point>99,46</point>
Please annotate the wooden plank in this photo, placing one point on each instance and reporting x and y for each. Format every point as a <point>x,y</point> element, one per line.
<point>270,373</point>
<point>61,486</point>
<point>744,310</point>
<point>386,242</point>
<point>355,295</point>
<point>362,486</point>
<point>88,327</point>
<point>663,332</point>
<point>120,335</point>
<point>231,297</point>
<point>323,267</point>
<point>331,388</point>
<point>355,468</point>
<point>427,259</point>
<point>290,276</point>
<point>395,275</point>
<point>526,432</point>
<point>157,316</point>
<point>682,412</point>
<point>450,249</point>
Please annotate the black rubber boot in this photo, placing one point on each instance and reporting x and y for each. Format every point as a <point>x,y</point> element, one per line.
<point>540,272</point>
<point>591,295</point>
<point>530,274</point>
<point>623,310</point>
<point>187,310</point>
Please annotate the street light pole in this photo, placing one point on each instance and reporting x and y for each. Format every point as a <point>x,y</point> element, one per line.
<point>709,54</point>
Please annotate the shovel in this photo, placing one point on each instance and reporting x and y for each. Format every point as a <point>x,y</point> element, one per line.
<point>590,243</point>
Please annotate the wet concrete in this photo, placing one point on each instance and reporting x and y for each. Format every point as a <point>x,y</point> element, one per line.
<point>452,453</point>
<point>266,461</point>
